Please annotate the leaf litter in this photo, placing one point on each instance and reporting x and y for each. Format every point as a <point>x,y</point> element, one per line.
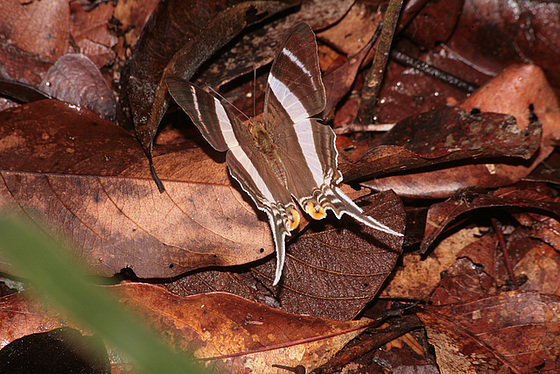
<point>88,180</point>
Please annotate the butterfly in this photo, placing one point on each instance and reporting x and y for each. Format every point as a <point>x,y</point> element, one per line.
<point>290,155</point>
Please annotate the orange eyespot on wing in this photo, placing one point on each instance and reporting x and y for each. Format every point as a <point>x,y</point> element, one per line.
<point>293,220</point>
<point>315,211</point>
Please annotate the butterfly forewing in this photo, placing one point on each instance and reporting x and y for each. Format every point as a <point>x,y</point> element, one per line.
<point>294,95</point>
<point>295,90</point>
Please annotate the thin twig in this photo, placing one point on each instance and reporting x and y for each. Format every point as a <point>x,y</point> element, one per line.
<point>504,251</point>
<point>354,128</point>
<point>375,75</point>
<point>433,71</point>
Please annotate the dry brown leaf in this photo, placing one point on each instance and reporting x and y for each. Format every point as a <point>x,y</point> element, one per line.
<point>353,32</point>
<point>88,180</point>
<point>92,33</point>
<point>463,282</point>
<point>541,267</point>
<point>510,93</point>
<point>418,276</point>
<point>133,15</point>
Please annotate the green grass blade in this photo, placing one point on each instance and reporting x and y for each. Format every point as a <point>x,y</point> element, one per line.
<point>52,273</point>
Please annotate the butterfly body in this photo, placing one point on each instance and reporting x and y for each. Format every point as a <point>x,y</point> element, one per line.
<point>290,155</point>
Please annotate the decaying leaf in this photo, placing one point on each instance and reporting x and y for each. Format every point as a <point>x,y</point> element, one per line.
<point>75,79</point>
<point>511,332</point>
<point>49,20</point>
<point>512,92</point>
<point>223,331</point>
<point>441,214</point>
<point>92,33</point>
<point>339,81</point>
<point>426,270</point>
<point>441,137</point>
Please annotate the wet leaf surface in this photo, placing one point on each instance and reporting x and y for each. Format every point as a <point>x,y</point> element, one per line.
<point>75,79</point>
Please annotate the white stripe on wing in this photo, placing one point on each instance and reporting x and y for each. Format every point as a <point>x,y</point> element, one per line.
<point>287,99</point>
<point>304,132</point>
<point>296,61</point>
<point>251,172</point>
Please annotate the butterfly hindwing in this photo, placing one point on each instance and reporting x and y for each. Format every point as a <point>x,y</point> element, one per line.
<point>295,89</point>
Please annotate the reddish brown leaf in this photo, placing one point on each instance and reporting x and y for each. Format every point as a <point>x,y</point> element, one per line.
<point>132,19</point>
<point>540,267</point>
<point>92,33</point>
<point>463,282</point>
<point>512,92</point>
<point>511,332</point>
<point>547,171</point>
<point>353,32</point>
<point>426,270</point>
<point>227,333</point>
<point>440,137</point>
<point>46,31</point>
<point>440,215</point>
<point>434,23</point>
<point>75,79</point>
<point>480,270</point>
<point>339,81</point>
<point>23,66</point>
<point>494,34</point>
<point>330,272</point>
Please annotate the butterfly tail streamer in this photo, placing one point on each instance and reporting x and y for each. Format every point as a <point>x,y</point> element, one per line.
<point>350,208</point>
<point>279,234</point>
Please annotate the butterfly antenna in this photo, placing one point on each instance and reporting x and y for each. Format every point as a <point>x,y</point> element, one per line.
<point>254,91</point>
<point>222,98</point>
